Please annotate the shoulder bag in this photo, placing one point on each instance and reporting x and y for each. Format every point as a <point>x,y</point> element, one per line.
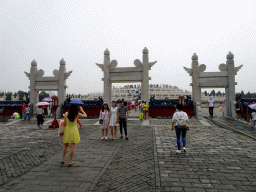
<point>101,120</point>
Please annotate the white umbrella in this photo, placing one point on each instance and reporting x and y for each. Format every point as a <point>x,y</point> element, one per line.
<point>42,103</point>
<point>252,106</point>
<point>47,99</point>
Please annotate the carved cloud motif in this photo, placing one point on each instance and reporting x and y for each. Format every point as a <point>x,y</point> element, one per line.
<point>100,66</point>
<point>113,64</point>
<point>40,72</point>
<point>238,68</point>
<point>137,63</point>
<point>152,63</point>
<point>27,74</point>
<point>66,75</point>
<point>202,68</point>
<point>189,70</point>
<point>223,67</point>
<point>55,73</point>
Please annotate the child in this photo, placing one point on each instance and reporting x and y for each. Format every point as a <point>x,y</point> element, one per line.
<point>27,113</point>
<point>145,109</point>
<point>253,118</point>
<point>135,106</point>
<point>129,106</point>
<point>220,106</point>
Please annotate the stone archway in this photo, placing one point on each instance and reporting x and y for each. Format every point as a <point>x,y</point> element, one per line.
<point>223,79</point>
<point>53,83</point>
<point>113,74</point>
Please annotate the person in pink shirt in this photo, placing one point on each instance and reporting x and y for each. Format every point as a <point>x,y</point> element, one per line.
<point>135,106</point>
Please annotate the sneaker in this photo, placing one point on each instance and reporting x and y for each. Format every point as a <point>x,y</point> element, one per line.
<point>102,138</point>
<point>178,151</point>
<point>106,137</point>
<point>126,139</point>
<point>122,137</point>
<point>184,149</point>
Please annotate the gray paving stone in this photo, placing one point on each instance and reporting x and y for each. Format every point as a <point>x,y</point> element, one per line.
<point>216,160</point>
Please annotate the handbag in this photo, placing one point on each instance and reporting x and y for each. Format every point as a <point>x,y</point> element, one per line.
<point>101,120</point>
<point>238,108</point>
<point>61,129</point>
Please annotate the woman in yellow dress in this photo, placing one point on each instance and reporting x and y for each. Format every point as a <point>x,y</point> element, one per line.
<point>71,133</point>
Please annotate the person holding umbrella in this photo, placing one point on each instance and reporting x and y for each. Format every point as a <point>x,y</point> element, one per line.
<point>71,133</point>
<point>253,115</point>
<point>40,113</point>
<point>39,116</point>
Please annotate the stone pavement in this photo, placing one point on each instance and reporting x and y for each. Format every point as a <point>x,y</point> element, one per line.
<point>216,159</point>
<point>237,126</point>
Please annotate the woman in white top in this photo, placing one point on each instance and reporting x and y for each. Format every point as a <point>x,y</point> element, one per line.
<point>180,131</point>
<point>113,118</point>
<point>211,106</point>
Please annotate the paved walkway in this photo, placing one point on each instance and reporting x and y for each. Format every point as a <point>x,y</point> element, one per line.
<point>239,126</point>
<point>217,159</point>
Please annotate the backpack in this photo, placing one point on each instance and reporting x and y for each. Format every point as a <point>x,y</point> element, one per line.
<point>181,122</point>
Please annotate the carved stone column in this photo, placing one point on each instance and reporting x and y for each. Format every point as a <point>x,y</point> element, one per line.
<point>107,84</point>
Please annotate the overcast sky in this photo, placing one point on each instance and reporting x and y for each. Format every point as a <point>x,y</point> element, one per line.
<point>80,31</point>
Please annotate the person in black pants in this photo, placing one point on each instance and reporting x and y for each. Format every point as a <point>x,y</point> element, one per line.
<point>211,106</point>
<point>122,116</point>
<point>40,116</point>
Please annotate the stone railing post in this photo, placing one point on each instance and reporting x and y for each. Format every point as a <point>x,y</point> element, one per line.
<point>62,84</point>
<point>230,91</point>
<point>196,90</point>
<point>145,82</point>
<point>33,92</point>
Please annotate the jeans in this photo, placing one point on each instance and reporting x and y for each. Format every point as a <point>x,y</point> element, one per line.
<point>40,119</point>
<point>211,111</point>
<point>182,132</point>
<point>27,115</point>
<point>122,123</point>
<point>253,123</point>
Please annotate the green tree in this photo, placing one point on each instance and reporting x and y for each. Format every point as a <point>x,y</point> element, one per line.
<point>8,96</point>
<point>242,93</point>
<point>42,95</point>
<point>218,93</point>
<point>205,93</point>
<point>22,94</point>
<point>212,93</point>
<point>248,95</point>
